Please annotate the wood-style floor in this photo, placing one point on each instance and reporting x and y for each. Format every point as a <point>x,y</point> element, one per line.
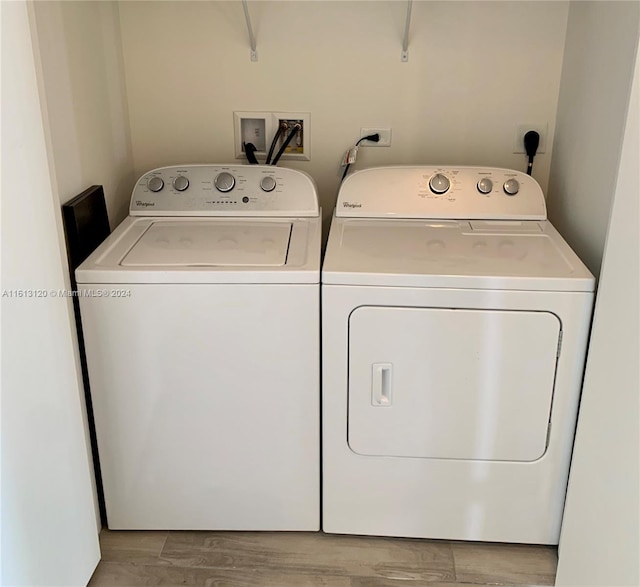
<point>247,559</point>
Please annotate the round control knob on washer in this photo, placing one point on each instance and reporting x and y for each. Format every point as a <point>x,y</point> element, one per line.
<point>485,185</point>
<point>268,183</point>
<point>439,183</point>
<point>181,183</point>
<point>511,187</point>
<point>155,183</point>
<point>224,182</point>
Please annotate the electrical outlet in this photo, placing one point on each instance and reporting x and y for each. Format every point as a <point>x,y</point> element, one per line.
<point>252,127</point>
<point>253,130</point>
<point>385,137</point>
<point>300,146</point>
<point>523,129</point>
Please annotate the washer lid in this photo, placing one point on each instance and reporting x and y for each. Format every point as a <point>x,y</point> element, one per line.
<point>207,250</point>
<point>526,255</point>
<point>211,244</point>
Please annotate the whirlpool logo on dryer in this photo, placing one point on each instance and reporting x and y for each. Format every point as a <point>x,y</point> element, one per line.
<point>351,205</point>
<point>144,204</point>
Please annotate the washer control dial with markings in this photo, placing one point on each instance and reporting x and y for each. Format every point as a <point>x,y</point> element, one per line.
<point>155,184</point>
<point>224,182</point>
<point>268,183</point>
<point>485,185</point>
<point>439,183</point>
<point>180,183</point>
<point>511,187</point>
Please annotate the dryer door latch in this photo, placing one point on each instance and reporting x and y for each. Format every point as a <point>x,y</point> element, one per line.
<point>381,384</point>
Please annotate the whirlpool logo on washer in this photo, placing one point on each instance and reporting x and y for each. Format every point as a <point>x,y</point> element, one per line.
<point>144,204</point>
<point>351,205</point>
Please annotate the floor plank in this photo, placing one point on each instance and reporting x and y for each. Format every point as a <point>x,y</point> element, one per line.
<point>376,582</point>
<point>314,554</point>
<point>132,546</point>
<point>512,564</point>
<point>132,575</point>
<point>283,559</point>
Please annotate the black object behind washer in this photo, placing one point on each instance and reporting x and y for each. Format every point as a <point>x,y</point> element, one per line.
<point>86,225</point>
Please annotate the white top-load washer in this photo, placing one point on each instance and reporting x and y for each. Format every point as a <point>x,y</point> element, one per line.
<point>455,322</point>
<point>201,322</point>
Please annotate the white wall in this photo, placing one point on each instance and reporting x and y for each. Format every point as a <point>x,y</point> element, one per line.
<point>81,80</point>
<point>475,70</point>
<point>599,544</point>
<point>48,526</point>
<point>84,91</point>
<point>598,64</point>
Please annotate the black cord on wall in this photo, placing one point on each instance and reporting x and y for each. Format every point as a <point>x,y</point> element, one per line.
<point>374,138</point>
<point>249,151</point>
<point>531,142</point>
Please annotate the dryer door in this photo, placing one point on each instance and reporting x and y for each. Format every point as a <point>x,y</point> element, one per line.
<point>451,383</point>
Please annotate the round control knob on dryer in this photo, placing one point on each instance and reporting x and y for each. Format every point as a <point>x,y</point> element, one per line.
<point>511,187</point>
<point>181,183</point>
<point>439,183</point>
<point>224,182</point>
<point>268,183</point>
<point>155,184</point>
<point>485,185</point>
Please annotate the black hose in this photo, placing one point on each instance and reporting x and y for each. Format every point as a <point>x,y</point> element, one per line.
<point>249,151</point>
<point>292,134</point>
<point>274,142</point>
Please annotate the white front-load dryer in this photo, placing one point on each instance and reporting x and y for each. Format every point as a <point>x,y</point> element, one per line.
<point>201,321</point>
<point>455,321</point>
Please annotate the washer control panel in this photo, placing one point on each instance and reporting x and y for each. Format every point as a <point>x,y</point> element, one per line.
<point>488,193</point>
<point>224,190</point>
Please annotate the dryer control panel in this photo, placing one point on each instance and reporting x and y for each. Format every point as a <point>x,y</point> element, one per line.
<point>483,193</point>
<point>225,190</point>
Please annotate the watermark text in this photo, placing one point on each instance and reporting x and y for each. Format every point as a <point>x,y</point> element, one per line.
<point>66,293</point>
